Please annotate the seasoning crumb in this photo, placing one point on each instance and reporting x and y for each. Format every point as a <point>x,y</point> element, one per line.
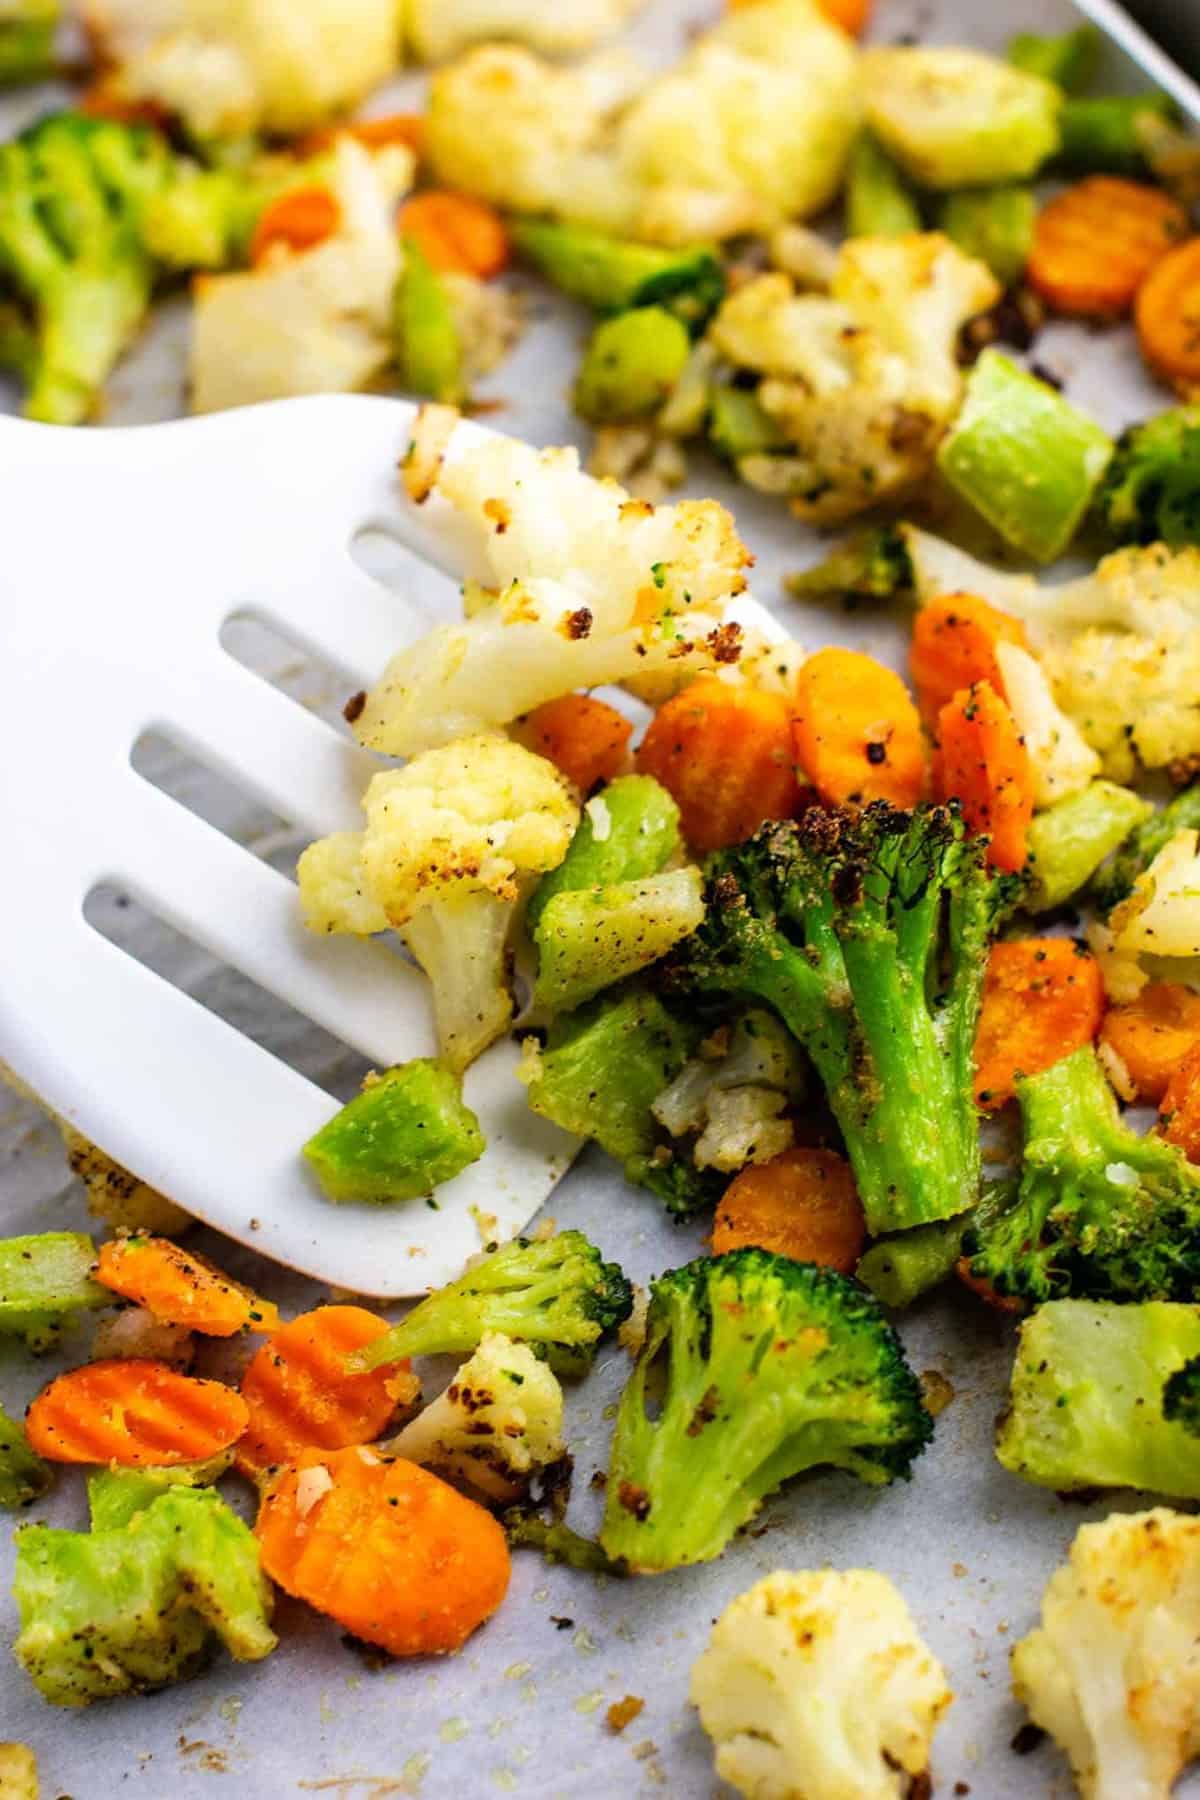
<point>645,1750</point>
<point>958,1570</point>
<point>561,1624</point>
<point>962,1787</point>
<point>936,1390</point>
<point>623,1712</point>
<point>1030,1738</point>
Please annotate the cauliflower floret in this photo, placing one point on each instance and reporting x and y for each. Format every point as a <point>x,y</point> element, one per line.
<point>496,1426</point>
<point>1113,1670</point>
<point>864,382</point>
<point>316,321</point>
<point>734,1095</point>
<point>437,29</point>
<point>1162,915</point>
<point>1061,761</point>
<point>451,845</point>
<point>230,67</point>
<point>601,144</point>
<point>592,588</point>
<point>816,1686</point>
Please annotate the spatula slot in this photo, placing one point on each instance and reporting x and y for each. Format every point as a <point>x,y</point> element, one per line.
<point>196,785</point>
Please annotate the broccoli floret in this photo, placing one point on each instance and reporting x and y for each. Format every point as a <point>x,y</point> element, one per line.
<point>761,1367</point>
<point>870,565</point>
<point>554,1292</point>
<point>23,1475</point>
<point>1098,1213</point>
<point>867,932</point>
<point>71,193</point>
<point>614,275</point>
<point>1151,492</point>
<point>1116,879</point>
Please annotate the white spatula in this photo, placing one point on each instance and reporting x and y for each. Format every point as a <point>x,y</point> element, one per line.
<point>122,555</point>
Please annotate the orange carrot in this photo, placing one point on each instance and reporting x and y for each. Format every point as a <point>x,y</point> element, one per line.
<point>1095,244</point>
<point>802,1204</point>
<point>586,738</point>
<point>104,100</point>
<point>1042,999</point>
<point>979,1284</point>
<point>301,219</point>
<point>300,1395</point>
<point>134,1412</point>
<point>1180,1110</point>
<point>1152,1035</point>
<point>407,129</point>
<point>954,645</point>
<point>1168,318</point>
<point>851,15</point>
<point>394,1554</point>
<point>725,753</point>
<point>857,734</point>
<point>457,232</point>
<point>984,765</point>
<point>180,1287</point>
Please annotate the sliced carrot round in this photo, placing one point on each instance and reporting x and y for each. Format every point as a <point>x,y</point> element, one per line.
<point>180,1287</point>
<point>1180,1109</point>
<point>584,737</point>
<point>456,232</point>
<point>801,1204</point>
<point>136,1413</point>
<point>1095,244</point>
<point>954,645</point>
<point>982,763</point>
<point>723,750</point>
<point>856,731</point>
<point>391,1552</point>
<point>301,220</point>
<point>1153,1034</point>
<point>1168,317</point>
<point>1042,999</point>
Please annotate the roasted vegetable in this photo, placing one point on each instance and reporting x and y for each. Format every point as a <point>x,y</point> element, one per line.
<point>45,1282</point>
<point>1069,842</point>
<point>589,938</point>
<point>23,1474</point>
<point>27,32</point>
<point>958,118</point>
<point>617,275</point>
<point>631,365</point>
<point>407,1132</point>
<point>1151,492</point>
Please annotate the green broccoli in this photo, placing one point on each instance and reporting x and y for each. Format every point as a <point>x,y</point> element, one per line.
<point>1069,61</point>
<point>1098,1212</point>
<point>556,1293</point>
<point>142,1605</point>
<point>116,1495</point>
<point>27,32</point>
<point>588,939</point>
<point>409,1131</point>
<point>23,1475</point>
<point>1111,135</point>
<point>1069,840</point>
<point>900,1268</point>
<point>867,932</point>
<point>995,225</point>
<point>1115,881</point>
<point>429,351</point>
<point>1100,1399</point>
<point>1151,492</point>
<point>640,836</point>
<point>72,190</point>
<point>631,365</point>
<point>613,275</point>
<point>205,218</point>
<point>45,1282</point>
<point>754,1368</point>
<point>738,426</point>
<point>879,201</point>
<point>869,565</point>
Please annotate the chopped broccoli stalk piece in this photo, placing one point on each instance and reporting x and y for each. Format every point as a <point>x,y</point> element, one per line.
<point>899,1269</point>
<point>995,225</point>
<point>760,1367</point>
<point>1069,61</point>
<point>1116,881</point>
<point>1069,841</point>
<point>1151,493</point>
<point>631,365</point>
<point>138,1607</point>
<point>613,275</point>
<point>555,1292</point>
<point>409,1131</point>
<point>959,118</point>
<point>867,933</point>
<point>603,1068</point>
<point>23,1476</point>
<point>557,1542</point>
<point>641,835</point>
<point>591,938</point>
<point>72,191</point>
<point>27,33</point>
<point>429,353</point>
<point>1089,1405</point>
<point>1181,1396</point>
<point>1024,457</point>
<point>879,202</point>
<point>738,426</point>
<point>116,1495</point>
<point>871,565</point>
<point>1111,136</point>
<point>45,1279</point>
<point>1098,1213</point>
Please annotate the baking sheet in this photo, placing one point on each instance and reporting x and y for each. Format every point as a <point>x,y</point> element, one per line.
<point>522,1710</point>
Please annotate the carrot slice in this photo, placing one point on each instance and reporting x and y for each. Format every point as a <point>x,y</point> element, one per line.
<point>1152,1035</point>
<point>394,1554</point>
<point>801,1204</point>
<point>456,232</point>
<point>851,15</point>
<point>724,752</point>
<point>984,765</point>
<point>301,219</point>
<point>586,738</point>
<point>135,1412</point>
<point>300,1396</point>
<point>856,732</point>
<point>954,645</point>
<point>1180,1110</point>
<point>180,1287</point>
<point>1042,999</point>
<point>1168,317</point>
<point>1095,244</point>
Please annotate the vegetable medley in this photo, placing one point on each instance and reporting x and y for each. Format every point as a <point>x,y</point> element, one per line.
<point>778,931</point>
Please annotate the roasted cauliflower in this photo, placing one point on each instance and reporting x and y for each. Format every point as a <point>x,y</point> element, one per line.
<point>816,1686</point>
<point>860,384</point>
<point>1113,1670</point>
<point>451,843</point>
<point>735,1095</point>
<point>438,29</point>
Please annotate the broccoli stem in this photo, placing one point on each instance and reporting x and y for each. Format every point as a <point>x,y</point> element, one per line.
<point>641,837</point>
<point>429,354</point>
<point>87,320</point>
<point>23,1475</point>
<point>591,938</point>
<point>1109,136</point>
<point>1069,841</point>
<point>738,425</point>
<point>879,202</point>
<point>613,275</point>
<point>631,365</point>
<point>899,1269</point>
<point>407,1133</point>
<point>995,225</point>
<point>45,1279</point>
<point>1069,60</point>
